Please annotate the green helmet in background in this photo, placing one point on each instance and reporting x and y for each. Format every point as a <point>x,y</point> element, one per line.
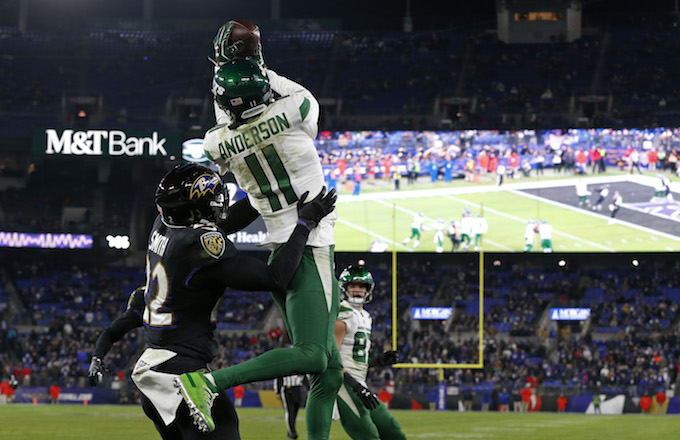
<point>241,88</point>
<point>356,274</point>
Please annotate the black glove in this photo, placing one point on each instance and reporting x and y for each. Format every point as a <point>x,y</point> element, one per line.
<point>97,370</point>
<point>312,212</point>
<point>367,397</point>
<point>389,357</point>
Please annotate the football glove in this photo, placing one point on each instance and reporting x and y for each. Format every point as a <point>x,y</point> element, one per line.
<point>311,213</point>
<point>389,357</point>
<point>367,397</point>
<point>97,370</point>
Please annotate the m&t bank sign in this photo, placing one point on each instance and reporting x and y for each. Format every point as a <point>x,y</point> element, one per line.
<point>109,143</point>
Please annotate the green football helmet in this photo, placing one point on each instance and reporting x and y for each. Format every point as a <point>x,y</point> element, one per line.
<point>356,274</point>
<point>242,89</point>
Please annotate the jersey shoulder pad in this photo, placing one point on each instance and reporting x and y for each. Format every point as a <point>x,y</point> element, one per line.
<point>215,128</point>
<point>345,312</point>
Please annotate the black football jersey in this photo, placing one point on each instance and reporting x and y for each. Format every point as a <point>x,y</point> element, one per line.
<point>181,316</point>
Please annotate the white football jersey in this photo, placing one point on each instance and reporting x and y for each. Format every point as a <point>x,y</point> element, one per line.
<point>274,160</point>
<point>418,222</point>
<point>357,341</point>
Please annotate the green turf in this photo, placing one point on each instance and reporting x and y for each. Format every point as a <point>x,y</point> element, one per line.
<point>389,218</point>
<point>105,422</point>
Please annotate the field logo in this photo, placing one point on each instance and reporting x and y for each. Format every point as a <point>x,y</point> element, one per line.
<point>662,208</point>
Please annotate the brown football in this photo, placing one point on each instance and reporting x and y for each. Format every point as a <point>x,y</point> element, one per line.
<point>247,32</point>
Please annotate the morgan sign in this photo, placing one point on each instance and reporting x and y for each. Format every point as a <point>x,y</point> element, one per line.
<point>110,143</point>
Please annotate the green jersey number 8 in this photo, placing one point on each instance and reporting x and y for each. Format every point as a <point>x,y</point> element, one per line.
<point>359,352</point>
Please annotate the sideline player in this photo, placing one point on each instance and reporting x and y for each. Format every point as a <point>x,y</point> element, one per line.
<point>189,263</point>
<point>269,148</point>
<point>362,415</point>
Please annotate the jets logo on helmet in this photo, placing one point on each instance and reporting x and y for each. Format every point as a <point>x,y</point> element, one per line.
<point>356,275</point>
<point>202,185</point>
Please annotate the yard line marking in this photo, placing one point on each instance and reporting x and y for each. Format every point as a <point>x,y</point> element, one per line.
<point>373,234</point>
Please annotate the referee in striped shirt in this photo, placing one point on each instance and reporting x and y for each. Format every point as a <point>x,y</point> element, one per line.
<point>289,390</point>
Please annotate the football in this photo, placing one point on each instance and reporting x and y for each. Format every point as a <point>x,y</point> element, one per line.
<point>247,32</point>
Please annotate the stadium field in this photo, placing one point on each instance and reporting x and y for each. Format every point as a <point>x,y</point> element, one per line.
<point>104,422</point>
<point>640,225</point>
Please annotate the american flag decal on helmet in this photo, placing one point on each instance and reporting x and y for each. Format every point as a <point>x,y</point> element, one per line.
<point>236,101</point>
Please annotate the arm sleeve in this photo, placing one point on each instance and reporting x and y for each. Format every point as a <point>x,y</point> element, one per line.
<point>241,214</point>
<point>120,326</point>
<point>284,86</point>
<point>308,105</point>
<point>251,274</point>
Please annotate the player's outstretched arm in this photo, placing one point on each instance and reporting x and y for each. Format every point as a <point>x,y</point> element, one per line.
<point>239,215</point>
<point>251,274</point>
<point>128,320</point>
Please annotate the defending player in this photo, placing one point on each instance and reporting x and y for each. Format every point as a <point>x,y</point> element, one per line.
<point>269,148</point>
<point>127,321</point>
<point>362,415</point>
<point>189,263</point>
<point>603,192</point>
<point>614,206</point>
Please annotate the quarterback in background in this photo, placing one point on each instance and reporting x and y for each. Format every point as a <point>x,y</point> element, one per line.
<point>362,415</point>
<point>269,146</point>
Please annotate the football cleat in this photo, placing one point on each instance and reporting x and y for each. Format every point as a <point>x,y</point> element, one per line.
<point>199,397</point>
